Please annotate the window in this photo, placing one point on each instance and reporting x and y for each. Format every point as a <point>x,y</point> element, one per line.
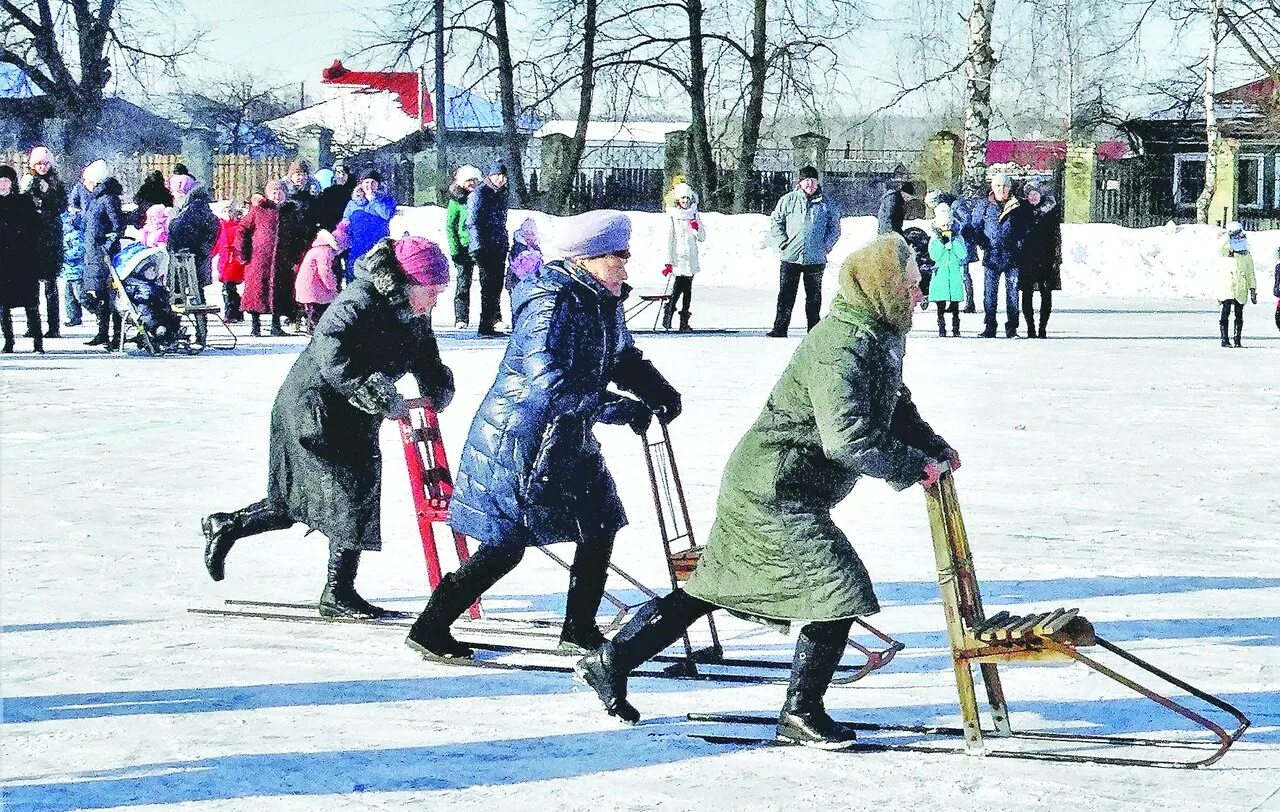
<point>1188,178</point>
<point>1249,181</point>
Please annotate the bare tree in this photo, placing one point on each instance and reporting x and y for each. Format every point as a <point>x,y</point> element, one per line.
<point>236,109</point>
<point>72,49</point>
<point>558,195</point>
<point>979,68</point>
<point>1212,137</point>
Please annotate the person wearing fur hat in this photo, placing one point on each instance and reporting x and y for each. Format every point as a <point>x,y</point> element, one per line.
<point>950,257</point>
<point>1041,257</point>
<point>324,463</point>
<point>304,192</point>
<point>317,285</point>
<point>154,191</point>
<point>271,245</point>
<point>49,196</point>
<point>465,181</point>
<point>368,214</point>
<point>532,472</point>
<point>487,242</point>
<point>839,412</point>
<point>685,229</point>
<point>1237,280</point>
<point>19,286</point>
<point>805,227</point>
<point>104,224</point>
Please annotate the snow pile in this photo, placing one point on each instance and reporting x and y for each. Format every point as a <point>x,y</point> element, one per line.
<point>1098,259</point>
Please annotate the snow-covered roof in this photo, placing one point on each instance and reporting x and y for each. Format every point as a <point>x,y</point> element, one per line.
<point>620,132</point>
<point>357,118</point>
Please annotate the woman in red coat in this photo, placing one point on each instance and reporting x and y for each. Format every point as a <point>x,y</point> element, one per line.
<point>226,258</point>
<point>270,247</point>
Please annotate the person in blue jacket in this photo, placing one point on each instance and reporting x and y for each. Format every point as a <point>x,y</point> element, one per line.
<point>532,472</point>
<point>805,227</point>
<point>487,231</point>
<point>368,214</point>
<point>1000,224</point>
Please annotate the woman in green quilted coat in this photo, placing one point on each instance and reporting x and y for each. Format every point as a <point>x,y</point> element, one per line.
<point>839,412</point>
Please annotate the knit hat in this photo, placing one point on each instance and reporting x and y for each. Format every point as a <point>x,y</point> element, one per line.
<point>342,234</point>
<point>299,166</point>
<point>681,190</point>
<point>465,173</point>
<point>273,185</point>
<point>371,174</point>
<point>181,169</point>
<point>325,178</point>
<point>181,184</point>
<point>495,168</point>
<point>6,171</point>
<point>95,172</point>
<point>423,261</point>
<point>40,154</point>
<point>1234,228</point>
<point>808,172</point>
<point>942,216</point>
<point>908,188</point>
<point>1000,179</point>
<point>593,234</point>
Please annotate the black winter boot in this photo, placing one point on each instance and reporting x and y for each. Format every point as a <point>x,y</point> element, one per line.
<point>1278,318</point>
<point>804,718</point>
<point>668,311</point>
<point>339,598</point>
<point>587,577</point>
<point>222,530</point>
<point>1239,330</point>
<point>942,323</point>
<point>685,327</point>
<point>255,324</point>
<point>653,627</point>
<point>1223,325</point>
<point>6,324</point>
<point>276,329</point>
<point>117,327</point>
<point>430,635</point>
<point>104,324</point>
<point>955,323</point>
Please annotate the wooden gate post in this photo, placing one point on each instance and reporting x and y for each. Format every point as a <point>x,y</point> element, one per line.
<point>1081,166</point>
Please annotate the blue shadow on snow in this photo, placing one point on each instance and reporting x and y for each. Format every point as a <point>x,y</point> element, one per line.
<point>57,626</point>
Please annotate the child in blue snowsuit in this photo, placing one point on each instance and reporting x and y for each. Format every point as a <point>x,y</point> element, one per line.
<point>72,270</point>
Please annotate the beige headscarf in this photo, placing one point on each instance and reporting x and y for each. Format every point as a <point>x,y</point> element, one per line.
<point>873,281</point>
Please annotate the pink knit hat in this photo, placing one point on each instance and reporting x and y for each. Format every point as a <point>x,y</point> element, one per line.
<point>423,261</point>
<point>40,154</point>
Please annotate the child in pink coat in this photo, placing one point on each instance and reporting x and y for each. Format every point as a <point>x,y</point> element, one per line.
<point>316,285</point>
<point>155,231</point>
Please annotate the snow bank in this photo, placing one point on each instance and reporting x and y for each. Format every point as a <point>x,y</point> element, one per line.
<point>1098,259</point>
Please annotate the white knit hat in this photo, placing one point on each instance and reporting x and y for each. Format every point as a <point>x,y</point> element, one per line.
<point>95,172</point>
<point>465,173</point>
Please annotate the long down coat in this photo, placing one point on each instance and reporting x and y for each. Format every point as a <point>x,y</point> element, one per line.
<point>326,467</point>
<point>195,228</point>
<point>531,471</point>
<point>19,229</point>
<point>839,412</point>
<point>270,248</point>
<point>104,224</point>
<point>1042,249</point>
<point>49,196</point>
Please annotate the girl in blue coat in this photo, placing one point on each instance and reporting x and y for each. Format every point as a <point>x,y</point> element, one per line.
<point>950,257</point>
<point>531,471</point>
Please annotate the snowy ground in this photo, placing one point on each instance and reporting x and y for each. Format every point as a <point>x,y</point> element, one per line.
<point>1125,466</point>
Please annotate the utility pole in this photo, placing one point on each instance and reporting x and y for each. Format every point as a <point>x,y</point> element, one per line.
<point>440,103</point>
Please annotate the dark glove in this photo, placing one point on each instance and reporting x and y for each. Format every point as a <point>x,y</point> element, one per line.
<point>90,300</point>
<point>670,406</point>
<point>462,257</point>
<point>626,412</point>
<point>378,395</point>
<point>643,380</point>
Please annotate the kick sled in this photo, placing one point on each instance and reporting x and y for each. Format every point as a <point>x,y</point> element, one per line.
<point>1058,636</point>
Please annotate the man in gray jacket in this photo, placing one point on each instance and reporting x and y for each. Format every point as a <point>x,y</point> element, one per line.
<point>806,228</point>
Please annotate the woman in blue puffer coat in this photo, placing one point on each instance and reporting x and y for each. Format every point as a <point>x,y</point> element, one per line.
<point>532,472</point>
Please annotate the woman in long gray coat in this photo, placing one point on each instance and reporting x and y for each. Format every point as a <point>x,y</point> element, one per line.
<point>325,466</point>
<point>839,412</point>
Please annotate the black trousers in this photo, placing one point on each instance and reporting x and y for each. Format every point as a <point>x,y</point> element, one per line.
<point>789,277</point>
<point>51,304</point>
<point>1046,308</point>
<point>1227,307</point>
<point>462,290</point>
<point>493,270</point>
<point>681,287</point>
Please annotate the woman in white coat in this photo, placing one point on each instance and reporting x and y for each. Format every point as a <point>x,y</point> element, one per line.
<point>685,231</point>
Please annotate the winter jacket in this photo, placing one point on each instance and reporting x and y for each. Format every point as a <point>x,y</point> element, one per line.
<point>316,282</point>
<point>270,248</point>
<point>19,228</point>
<point>49,196</point>
<point>1236,275</point>
<point>524,260</point>
<point>155,229</point>
<point>370,221</point>
<point>891,214</point>
<point>487,219</point>
<point>304,198</point>
<point>78,203</point>
<point>195,228</point>
<point>950,260</point>
<point>805,229</point>
<point>152,192</point>
<point>532,471</point>
<point>104,224</point>
<point>226,252</point>
<point>685,229</point>
<point>839,412</point>
<point>325,463</point>
<point>455,222</point>
<point>1001,231</point>
<point>72,249</point>
<point>1041,267</point>
<point>332,202</point>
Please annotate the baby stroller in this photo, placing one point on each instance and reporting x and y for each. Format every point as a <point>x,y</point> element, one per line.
<point>919,242</point>
<point>144,303</point>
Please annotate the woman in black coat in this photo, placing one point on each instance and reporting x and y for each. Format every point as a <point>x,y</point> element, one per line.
<point>152,191</point>
<point>49,196</point>
<point>195,229</point>
<point>103,225</point>
<point>18,286</point>
<point>325,466</point>
<point>1041,257</point>
<point>532,472</point>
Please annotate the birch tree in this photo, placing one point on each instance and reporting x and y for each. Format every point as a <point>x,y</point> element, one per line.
<point>979,68</point>
<point>1213,138</point>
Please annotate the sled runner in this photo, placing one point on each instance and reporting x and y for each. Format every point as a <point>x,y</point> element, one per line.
<point>1048,637</point>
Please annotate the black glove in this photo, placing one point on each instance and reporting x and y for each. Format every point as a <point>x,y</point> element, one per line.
<point>90,301</point>
<point>626,412</point>
<point>670,407</point>
<point>642,379</point>
<point>462,257</point>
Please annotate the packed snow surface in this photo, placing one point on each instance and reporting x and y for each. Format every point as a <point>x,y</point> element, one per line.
<point>1124,466</point>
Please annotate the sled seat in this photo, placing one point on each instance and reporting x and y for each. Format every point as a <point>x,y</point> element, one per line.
<point>684,562</point>
<point>1061,625</point>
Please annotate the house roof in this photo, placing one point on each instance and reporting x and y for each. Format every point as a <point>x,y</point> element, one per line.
<point>1042,156</point>
<point>615,132</point>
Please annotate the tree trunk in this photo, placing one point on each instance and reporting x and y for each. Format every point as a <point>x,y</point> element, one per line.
<point>979,66</point>
<point>1213,140</point>
<point>558,202</point>
<point>441,102</point>
<point>702,159</point>
<point>753,115</point>
<point>507,94</point>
